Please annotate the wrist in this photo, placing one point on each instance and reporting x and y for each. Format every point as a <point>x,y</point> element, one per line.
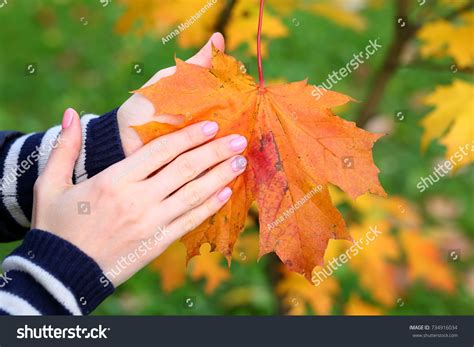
<point>101,146</point>
<point>73,278</point>
<point>130,140</point>
<point>135,111</point>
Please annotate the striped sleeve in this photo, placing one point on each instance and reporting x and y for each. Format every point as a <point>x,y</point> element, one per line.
<point>24,157</point>
<point>47,275</point>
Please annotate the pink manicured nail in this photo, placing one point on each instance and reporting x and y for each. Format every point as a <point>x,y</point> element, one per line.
<point>238,144</point>
<point>239,163</point>
<point>67,118</point>
<point>224,194</point>
<point>210,128</point>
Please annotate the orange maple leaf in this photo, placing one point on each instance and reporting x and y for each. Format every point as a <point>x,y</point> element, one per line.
<point>290,161</point>
<point>171,265</point>
<point>208,266</point>
<point>425,261</point>
<point>298,293</point>
<point>357,307</point>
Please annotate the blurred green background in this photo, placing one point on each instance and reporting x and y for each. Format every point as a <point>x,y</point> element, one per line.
<point>82,62</point>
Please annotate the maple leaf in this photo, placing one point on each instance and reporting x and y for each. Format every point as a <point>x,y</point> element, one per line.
<point>165,16</point>
<point>339,15</point>
<point>451,121</point>
<point>245,296</point>
<point>374,264</point>
<point>171,265</point>
<point>442,38</point>
<point>396,210</point>
<point>356,307</point>
<point>425,261</point>
<point>402,232</point>
<point>208,266</point>
<point>246,248</point>
<point>241,28</point>
<point>290,162</point>
<point>297,293</point>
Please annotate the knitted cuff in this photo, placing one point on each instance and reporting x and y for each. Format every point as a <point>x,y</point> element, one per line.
<point>21,294</point>
<point>73,278</point>
<point>103,146</point>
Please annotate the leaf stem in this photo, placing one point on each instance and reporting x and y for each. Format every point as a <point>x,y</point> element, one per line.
<point>259,45</point>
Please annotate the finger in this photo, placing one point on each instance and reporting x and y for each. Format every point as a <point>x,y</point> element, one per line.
<point>202,58</point>
<point>60,166</point>
<point>189,165</point>
<point>164,149</point>
<point>196,192</point>
<point>192,219</point>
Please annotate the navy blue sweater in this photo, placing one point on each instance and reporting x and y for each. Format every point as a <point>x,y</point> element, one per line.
<point>46,274</point>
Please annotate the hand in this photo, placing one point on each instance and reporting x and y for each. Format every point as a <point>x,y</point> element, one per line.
<point>138,110</point>
<point>124,217</point>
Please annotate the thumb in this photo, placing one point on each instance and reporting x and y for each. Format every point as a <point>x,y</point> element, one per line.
<point>202,58</point>
<point>60,166</point>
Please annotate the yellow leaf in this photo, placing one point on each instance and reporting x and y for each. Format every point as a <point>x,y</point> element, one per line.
<point>396,210</point>
<point>284,7</point>
<point>341,12</point>
<point>425,261</point>
<point>356,307</point>
<point>337,195</point>
<point>171,19</point>
<point>452,121</point>
<point>242,28</point>
<point>441,38</point>
<point>246,248</point>
<point>339,15</point>
<point>297,292</point>
<point>208,266</point>
<point>373,262</point>
<point>203,28</point>
<point>171,265</point>
<point>244,296</point>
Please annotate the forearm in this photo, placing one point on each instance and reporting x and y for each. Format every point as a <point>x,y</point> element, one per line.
<point>23,158</point>
<point>47,275</point>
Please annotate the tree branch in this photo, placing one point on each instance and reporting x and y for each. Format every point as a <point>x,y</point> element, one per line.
<point>459,11</point>
<point>417,64</point>
<point>224,17</point>
<point>392,61</point>
<point>390,65</point>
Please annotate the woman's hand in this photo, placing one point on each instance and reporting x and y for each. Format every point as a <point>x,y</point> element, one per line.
<point>126,216</point>
<point>138,110</point>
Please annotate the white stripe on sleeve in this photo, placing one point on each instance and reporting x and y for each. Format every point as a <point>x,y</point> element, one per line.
<point>54,286</point>
<point>16,306</point>
<point>80,173</point>
<point>47,143</point>
<point>11,172</point>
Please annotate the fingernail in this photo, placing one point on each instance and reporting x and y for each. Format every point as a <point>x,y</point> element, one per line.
<point>224,194</point>
<point>210,128</point>
<point>238,144</point>
<point>239,163</point>
<point>67,118</point>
